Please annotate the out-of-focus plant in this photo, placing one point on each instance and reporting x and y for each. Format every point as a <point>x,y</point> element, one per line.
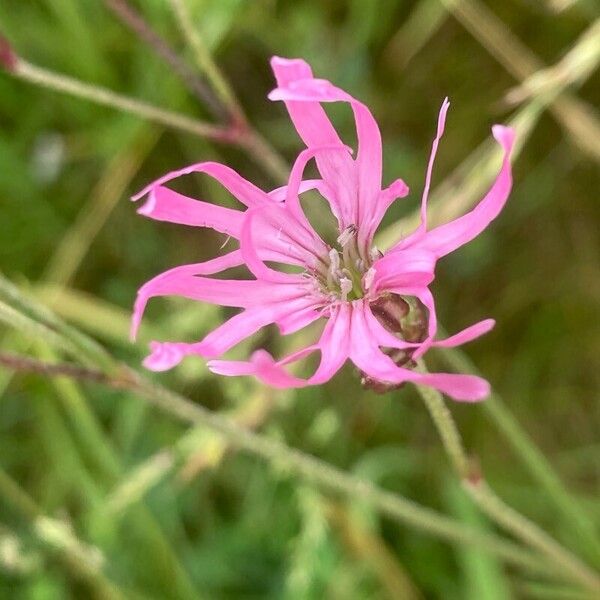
<point>536,553</point>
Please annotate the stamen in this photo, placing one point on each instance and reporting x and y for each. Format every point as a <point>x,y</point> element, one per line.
<point>334,257</point>
<point>375,253</point>
<point>346,235</point>
<point>368,278</point>
<point>345,288</point>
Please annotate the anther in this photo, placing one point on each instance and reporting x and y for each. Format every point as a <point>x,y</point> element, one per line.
<point>346,235</point>
<point>375,253</point>
<point>345,288</point>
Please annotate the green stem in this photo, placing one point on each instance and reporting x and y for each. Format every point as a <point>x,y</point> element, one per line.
<point>531,457</point>
<point>492,505</point>
<point>309,467</point>
<point>61,83</point>
<point>244,137</point>
<point>43,323</point>
<point>57,536</point>
<point>205,62</point>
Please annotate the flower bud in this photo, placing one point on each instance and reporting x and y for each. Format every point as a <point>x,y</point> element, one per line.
<point>407,318</point>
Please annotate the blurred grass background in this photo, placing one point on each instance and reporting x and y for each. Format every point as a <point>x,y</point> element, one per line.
<point>158,506</point>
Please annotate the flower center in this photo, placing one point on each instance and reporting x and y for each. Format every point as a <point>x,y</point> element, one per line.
<point>349,272</point>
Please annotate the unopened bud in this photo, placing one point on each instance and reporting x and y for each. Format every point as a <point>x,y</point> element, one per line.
<point>390,310</point>
<point>405,317</point>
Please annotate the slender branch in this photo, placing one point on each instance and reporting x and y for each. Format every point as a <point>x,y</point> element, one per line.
<point>136,22</point>
<point>62,83</point>
<point>294,461</point>
<point>576,117</point>
<point>205,62</point>
<point>46,325</point>
<point>450,435</point>
<point>226,106</point>
<point>25,364</point>
<point>256,147</point>
<point>492,505</point>
<point>530,455</point>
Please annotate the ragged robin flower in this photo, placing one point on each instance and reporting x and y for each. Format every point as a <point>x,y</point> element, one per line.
<point>376,308</point>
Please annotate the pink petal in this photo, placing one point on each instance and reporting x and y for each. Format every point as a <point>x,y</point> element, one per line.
<point>409,268</point>
<point>263,366</point>
<point>183,281</point>
<point>295,180</point>
<point>446,238</point>
<point>273,233</point>
<point>247,193</point>
<point>464,388</point>
<point>313,125</point>
<point>333,346</point>
<point>298,320</point>
<point>466,335</point>
<point>300,87</point>
<point>369,157</point>
<point>236,329</point>
<point>440,132</point>
<point>164,204</point>
<point>397,189</point>
<point>280,194</point>
<point>164,356</point>
<point>251,255</point>
<point>315,129</point>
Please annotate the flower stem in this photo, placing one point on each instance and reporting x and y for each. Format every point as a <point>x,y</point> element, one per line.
<point>492,505</point>
<point>62,83</point>
<point>40,322</point>
<point>205,62</point>
<point>251,141</point>
<point>531,457</point>
<point>136,22</point>
<point>296,462</point>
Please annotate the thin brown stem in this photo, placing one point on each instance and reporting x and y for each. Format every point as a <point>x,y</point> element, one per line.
<point>136,22</point>
<point>206,63</point>
<point>25,364</point>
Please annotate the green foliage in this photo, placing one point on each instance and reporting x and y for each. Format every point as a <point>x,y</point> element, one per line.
<point>168,513</point>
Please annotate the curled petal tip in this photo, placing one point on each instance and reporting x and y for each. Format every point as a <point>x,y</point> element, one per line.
<point>478,389</point>
<point>505,136</point>
<point>489,324</point>
<point>8,58</point>
<point>148,207</point>
<point>139,195</point>
<point>163,356</point>
<point>274,95</point>
<point>399,189</point>
<point>282,61</point>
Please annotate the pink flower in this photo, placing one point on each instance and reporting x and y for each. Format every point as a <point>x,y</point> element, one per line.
<point>377,308</point>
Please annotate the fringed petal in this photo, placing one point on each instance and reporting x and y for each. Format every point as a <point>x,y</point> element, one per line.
<point>184,281</point>
<point>247,193</point>
<point>357,185</point>
<point>164,204</point>
<point>333,347</point>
